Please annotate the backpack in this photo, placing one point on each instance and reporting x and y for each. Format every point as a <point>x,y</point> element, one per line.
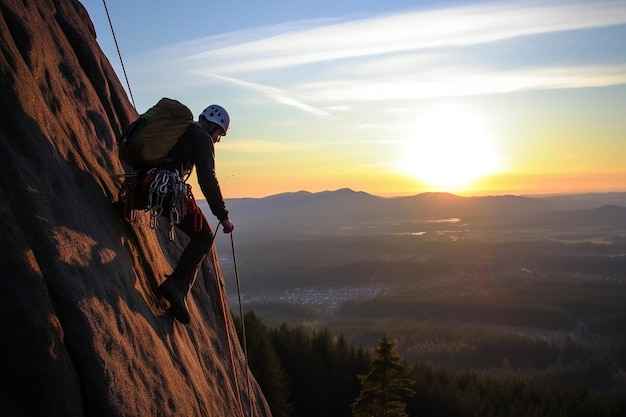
<point>147,141</point>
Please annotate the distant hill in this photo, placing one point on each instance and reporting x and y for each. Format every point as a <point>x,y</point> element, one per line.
<point>333,211</point>
<point>584,200</point>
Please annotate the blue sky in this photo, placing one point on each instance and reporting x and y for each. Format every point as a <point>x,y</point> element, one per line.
<point>392,98</point>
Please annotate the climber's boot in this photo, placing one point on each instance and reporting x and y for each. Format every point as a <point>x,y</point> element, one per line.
<point>175,292</point>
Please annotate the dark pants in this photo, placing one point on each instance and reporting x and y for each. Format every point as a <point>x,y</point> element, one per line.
<point>195,251</point>
<point>201,239</point>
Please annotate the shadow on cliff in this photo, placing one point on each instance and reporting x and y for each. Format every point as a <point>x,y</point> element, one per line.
<point>100,277</point>
<point>84,332</point>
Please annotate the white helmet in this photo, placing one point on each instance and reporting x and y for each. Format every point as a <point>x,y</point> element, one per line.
<point>218,115</point>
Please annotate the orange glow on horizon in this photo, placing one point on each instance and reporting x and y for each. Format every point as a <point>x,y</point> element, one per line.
<point>394,184</point>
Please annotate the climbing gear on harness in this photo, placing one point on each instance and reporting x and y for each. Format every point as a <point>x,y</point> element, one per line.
<point>166,192</point>
<point>167,195</point>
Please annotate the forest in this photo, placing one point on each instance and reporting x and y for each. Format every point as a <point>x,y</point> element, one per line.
<point>315,373</point>
<point>492,321</point>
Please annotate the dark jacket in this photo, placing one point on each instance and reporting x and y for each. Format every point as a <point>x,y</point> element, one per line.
<point>196,148</point>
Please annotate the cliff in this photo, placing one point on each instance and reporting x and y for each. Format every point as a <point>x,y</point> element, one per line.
<point>84,332</point>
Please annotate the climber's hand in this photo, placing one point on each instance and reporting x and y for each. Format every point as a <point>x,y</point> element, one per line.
<point>227,225</point>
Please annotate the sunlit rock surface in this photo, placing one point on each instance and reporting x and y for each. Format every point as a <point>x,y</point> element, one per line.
<point>83,331</point>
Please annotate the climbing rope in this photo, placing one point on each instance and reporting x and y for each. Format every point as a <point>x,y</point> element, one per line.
<point>106,9</point>
<point>243,323</point>
<point>223,302</point>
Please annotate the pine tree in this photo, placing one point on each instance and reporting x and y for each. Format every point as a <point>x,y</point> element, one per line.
<point>386,386</point>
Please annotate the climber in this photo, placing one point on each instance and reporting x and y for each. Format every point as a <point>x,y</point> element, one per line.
<point>195,148</point>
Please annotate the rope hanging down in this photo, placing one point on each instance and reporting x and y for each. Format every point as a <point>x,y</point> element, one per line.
<point>219,280</point>
<point>243,323</point>
<point>106,9</point>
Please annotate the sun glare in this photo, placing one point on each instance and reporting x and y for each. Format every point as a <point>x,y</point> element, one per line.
<point>449,149</point>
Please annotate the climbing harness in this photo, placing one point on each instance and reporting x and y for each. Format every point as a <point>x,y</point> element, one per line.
<point>119,54</point>
<point>167,195</point>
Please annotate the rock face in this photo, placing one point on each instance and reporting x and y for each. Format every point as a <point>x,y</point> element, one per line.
<point>83,331</point>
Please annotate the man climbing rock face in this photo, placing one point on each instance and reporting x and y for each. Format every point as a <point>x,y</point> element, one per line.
<point>196,148</point>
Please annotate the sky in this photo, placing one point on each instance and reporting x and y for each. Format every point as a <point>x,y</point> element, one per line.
<point>392,98</point>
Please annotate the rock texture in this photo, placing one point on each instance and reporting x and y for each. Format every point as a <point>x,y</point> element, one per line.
<point>83,331</point>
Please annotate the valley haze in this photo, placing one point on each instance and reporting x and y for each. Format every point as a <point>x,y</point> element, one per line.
<point>449,276</point>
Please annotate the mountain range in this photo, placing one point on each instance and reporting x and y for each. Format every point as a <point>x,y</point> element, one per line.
<point>334,211</point>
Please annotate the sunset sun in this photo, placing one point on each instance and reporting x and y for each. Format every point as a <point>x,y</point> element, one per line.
<point>449,149</point>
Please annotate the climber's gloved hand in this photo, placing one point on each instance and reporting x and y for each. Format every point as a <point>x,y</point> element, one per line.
<point>227,225</point>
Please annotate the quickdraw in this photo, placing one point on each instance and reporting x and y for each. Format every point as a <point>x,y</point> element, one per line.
<point>167,195</point>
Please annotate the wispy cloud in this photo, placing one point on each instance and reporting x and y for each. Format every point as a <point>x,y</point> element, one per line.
<point>465,81</point>
<point>313,65</point>
<point>407,31</point>
<point>276,94</point>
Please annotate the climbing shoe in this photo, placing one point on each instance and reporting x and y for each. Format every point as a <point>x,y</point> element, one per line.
<point>176,294</point>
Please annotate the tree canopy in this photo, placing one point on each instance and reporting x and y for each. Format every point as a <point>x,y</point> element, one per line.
<point>386,387</point>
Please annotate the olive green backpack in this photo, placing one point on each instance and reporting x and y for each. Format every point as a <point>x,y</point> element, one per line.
<point>147,141</point>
